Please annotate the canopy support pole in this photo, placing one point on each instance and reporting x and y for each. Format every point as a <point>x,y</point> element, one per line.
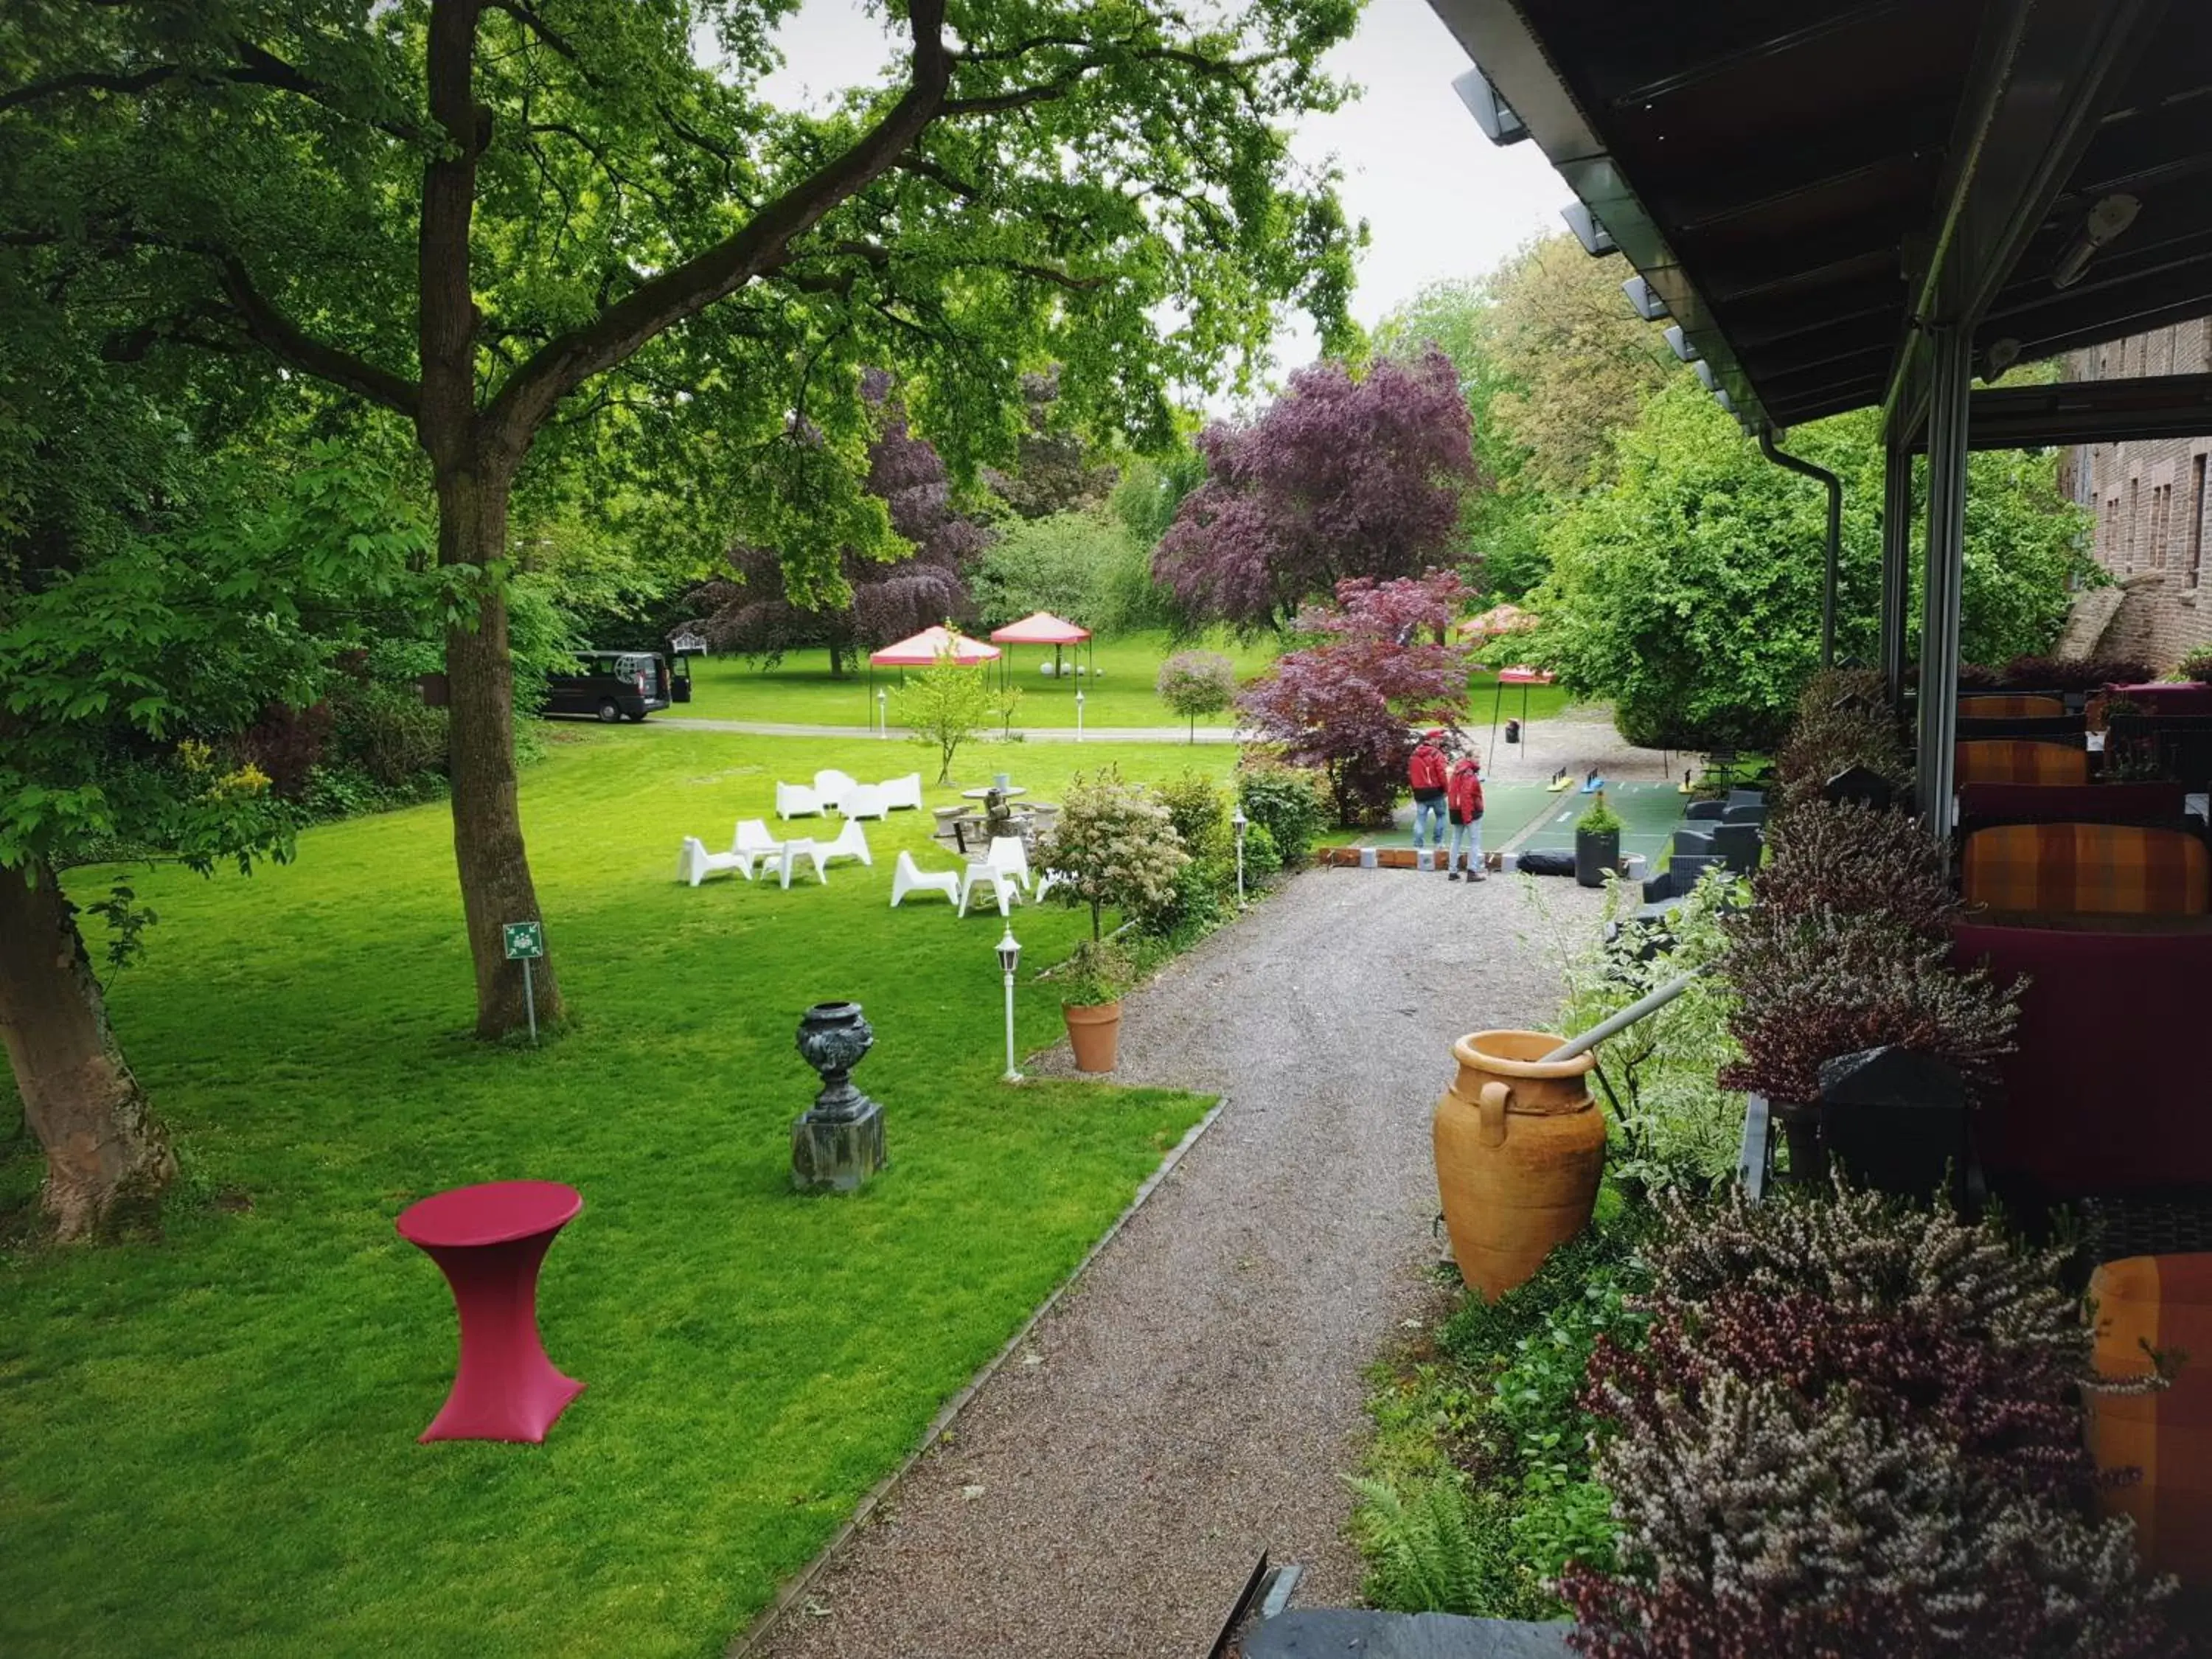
<point>1950,384</point>
<point>1896,567</point>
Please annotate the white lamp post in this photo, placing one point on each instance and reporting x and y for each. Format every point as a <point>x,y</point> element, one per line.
<point>883,714</point>
<point>1010,957</point>
<point>1079,714</point>
<point>1236,821</point>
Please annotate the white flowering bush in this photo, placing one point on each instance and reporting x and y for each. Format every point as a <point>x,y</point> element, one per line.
<point>1114,845</point>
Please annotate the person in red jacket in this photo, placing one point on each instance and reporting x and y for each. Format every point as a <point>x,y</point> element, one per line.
<point>1425,772</point>
<point>1463,798</point>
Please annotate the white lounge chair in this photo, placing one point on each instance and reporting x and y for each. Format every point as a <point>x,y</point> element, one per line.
<point>865,801</point>
<point>903,792</point>
<point>1047,882</point>
<point>804,847</point>
<point>1005,866</point>
<point>830,787</point>
<point>908,877</point>
<point>695,864</point>
<point>754,843</point>
<point>796,800</point>
<point>851,842</point>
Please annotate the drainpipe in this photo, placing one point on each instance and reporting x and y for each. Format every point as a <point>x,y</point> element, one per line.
<point>1835,535</point>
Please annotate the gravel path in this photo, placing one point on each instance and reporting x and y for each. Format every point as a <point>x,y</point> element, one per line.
<point>1195,1399</point>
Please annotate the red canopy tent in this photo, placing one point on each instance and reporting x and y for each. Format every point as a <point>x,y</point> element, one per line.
<point>1041,627</point>
<point>926,650</point>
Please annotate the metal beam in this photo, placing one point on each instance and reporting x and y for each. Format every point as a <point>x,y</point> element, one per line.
<point>2044,73</point>
<point>2091,412</point>
<point>1896,567</point>
<point>1951,380</point>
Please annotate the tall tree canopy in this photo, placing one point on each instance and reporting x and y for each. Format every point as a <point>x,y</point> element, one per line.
<point>1054,469</point>
<point>1688,591</point>
<point>537,229</point>
<point>1341,477</point>
<point>881,600</point>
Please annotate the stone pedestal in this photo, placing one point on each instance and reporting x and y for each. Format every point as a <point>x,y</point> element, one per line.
<point>837,1155</point>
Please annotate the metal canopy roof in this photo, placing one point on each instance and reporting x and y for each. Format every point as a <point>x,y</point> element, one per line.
<point>1799,183</point>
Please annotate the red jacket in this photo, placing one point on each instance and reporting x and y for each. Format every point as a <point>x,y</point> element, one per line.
<point>1427,769</point>
<point>1464,791</point>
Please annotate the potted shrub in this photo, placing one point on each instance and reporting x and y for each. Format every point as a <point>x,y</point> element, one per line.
<point>1092,984</point>
<point>1114,845</point>
<point>1597,843</point>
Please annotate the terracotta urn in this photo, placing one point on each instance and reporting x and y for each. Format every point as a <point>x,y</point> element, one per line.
<point>1519,1147</point>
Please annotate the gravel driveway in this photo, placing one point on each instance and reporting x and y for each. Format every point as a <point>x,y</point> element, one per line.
<point>1197,1395</point>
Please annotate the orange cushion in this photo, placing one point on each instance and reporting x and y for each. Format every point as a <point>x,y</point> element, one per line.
<point>2112,869</point>
<point>2161,1303</point>
<point>2020,760</point>
<point>2009,707</point>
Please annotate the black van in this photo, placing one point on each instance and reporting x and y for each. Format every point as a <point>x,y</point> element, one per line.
<point>610,685</point>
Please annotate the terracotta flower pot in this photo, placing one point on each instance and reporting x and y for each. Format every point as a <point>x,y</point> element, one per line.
<point>1519,1148</point>
<point>1094,1031</point>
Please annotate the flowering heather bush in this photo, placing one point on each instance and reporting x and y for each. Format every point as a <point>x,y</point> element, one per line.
<point>1829,739</point>
<point>1850,858</point>
<point>1850,1429</point>
<point>1814,985</point>
<point>2075,674</point>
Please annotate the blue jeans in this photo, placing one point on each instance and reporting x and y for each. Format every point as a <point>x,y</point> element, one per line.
<point>1430,812</point>
<point>1465,847</point>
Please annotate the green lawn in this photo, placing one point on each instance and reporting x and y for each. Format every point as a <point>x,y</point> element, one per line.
<point>207,1444</point>
<point>800,692</point>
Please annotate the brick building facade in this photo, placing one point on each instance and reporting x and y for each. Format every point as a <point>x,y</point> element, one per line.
<point>2150,504</point>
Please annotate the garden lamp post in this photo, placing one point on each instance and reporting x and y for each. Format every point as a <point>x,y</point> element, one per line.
<point>1237,822</point>
<point>883,715</point>
<point>1079,714</point>
<point>1010,957</point>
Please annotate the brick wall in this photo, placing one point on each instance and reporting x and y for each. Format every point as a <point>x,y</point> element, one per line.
<point>2152,505</point>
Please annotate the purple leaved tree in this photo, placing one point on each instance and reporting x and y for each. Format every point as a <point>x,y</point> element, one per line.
<point>1348,705</point>
<point>1341,478</point>
<point>756,616</point>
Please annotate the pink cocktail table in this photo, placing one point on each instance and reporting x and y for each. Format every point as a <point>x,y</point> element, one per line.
<point>489,1241</point>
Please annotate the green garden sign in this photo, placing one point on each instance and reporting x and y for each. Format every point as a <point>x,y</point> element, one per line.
<point>526,943</point>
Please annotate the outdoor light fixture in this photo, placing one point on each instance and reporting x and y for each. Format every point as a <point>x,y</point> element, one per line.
<point>883,714</point>
<point>1645,299</point>
<point>1596,239</point>
<point>1683,346</point>
<point>1237,822</point>
<point>1010,958</point>
<point>1491,113</point>
<point>2111,216</point>
<point>1079,714</point>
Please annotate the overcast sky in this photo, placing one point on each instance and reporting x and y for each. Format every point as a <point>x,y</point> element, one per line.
<point>1439,199</point>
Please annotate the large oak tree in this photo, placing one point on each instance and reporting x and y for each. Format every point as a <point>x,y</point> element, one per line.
<point>518,226</point>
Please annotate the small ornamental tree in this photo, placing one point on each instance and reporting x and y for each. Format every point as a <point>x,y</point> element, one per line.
<point>1341,478</point>
<point>1346,705</point>
<point>944,706</point>
<point>1115,844</point>
<point>1195,682</point>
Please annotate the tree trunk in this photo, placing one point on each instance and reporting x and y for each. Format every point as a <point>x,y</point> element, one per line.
<point>107,1159</point>
<point>495,869</point>
<point>836,662</point>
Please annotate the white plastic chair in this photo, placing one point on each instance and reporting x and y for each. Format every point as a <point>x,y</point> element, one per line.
<point>695,864</point>
<point>1008,852</point>
<point>908,877</point>
<point>865,801</point>
<point>830,787</point>
<point>1047,882</point>
<point>1004,887</point>
<point>903,792</point>
<point>755,841</point>
<point>851,842</point>
<point>796,800</point>
<point>804,847</point>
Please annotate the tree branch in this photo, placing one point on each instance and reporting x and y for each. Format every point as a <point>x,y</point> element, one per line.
<point>280,336</point>
<point>259,67</point>
<point>677,295</point>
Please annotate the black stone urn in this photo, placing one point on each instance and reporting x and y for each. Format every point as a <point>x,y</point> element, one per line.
<point>838,1142</point>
